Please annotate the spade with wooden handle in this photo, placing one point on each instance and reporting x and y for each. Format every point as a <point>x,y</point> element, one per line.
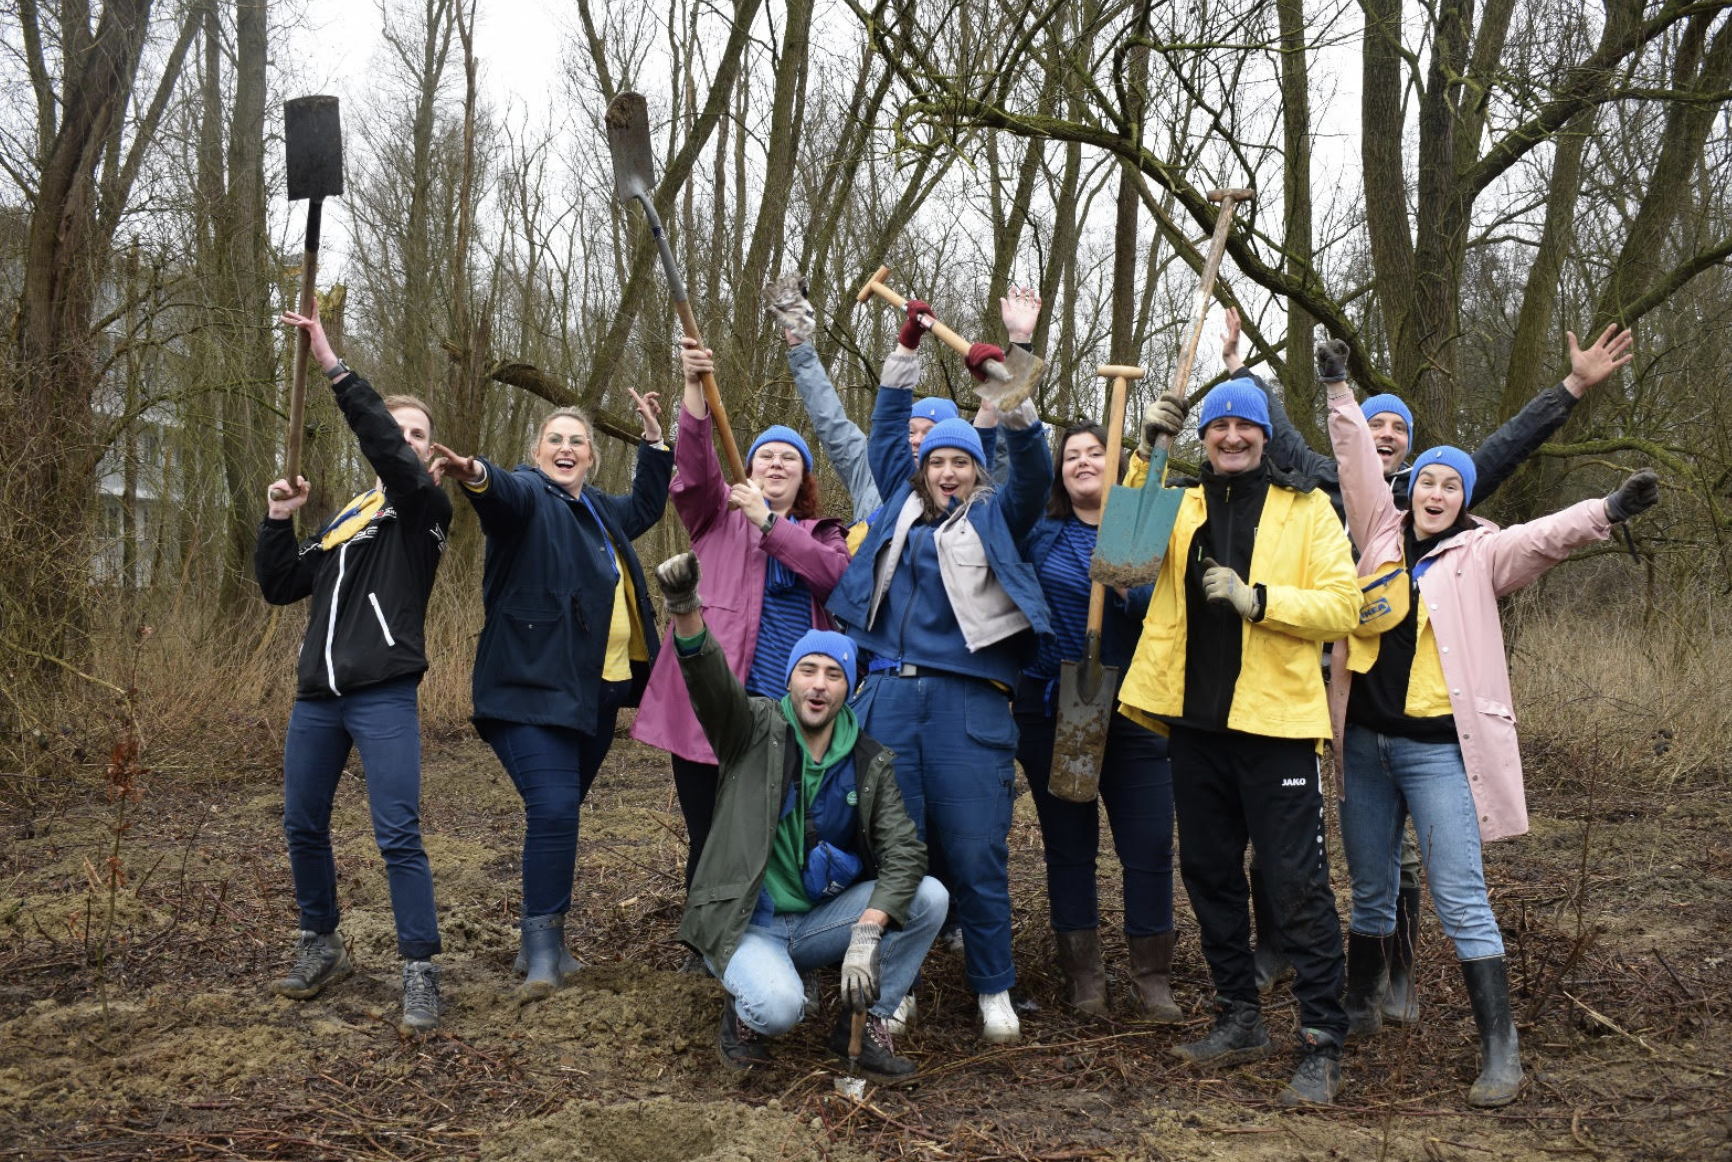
<point>313,143</point>
<point>1087,690</point>
<point>1011,381</point>
<point>1138,521</point>
<point>628,140</point>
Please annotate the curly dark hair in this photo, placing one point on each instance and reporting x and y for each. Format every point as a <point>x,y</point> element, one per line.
<point>1058,505</point>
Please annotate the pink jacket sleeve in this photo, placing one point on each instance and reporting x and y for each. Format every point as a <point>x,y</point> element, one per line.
<point>1364,492</point>
<point>818,553</point>
<point>1519,555</point>
<point>699,490</point>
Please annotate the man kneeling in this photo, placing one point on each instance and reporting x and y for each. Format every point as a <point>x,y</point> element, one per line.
<point>812,858</point>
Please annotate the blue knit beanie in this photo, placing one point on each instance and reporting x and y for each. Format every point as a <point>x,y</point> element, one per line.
<point>782,434</point>
<point>953,433</point>
<point>1450,458</point>
<point>1236,397</point>
<point>836,646</point>
<point>1393,404</point>
<point>934,408</point>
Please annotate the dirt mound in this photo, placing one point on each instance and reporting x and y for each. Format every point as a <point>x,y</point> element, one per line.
<point>664,1130</point>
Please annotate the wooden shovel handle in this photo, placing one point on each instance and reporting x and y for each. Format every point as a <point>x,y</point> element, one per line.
<point>1115,447</point>
<point>1229,200</point>
<point>713,398</point>
<point>875,286</point>
<point>309,306</point>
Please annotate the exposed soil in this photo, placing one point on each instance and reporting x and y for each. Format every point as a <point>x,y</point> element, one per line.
<point>170,1046</point>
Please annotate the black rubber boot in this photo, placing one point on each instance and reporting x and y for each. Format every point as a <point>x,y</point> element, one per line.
<point>1500,1059</point>
<point>1085,977</point>
<point>1318,1078</point>
<point>1270,962</point>
<point>1400,1000</point>
<point>543,942</point>
<point>739,1045</point>
<point>877,1060</point>
<point>1366,962</point>
<point>1238,1036</point>
<point>1151,979</point>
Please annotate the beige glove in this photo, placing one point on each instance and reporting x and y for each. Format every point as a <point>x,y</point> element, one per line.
<point>1164,417</point>
<point>1224,587</point>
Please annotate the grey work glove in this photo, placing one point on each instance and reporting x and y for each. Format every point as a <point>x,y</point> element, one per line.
<point>1639,492</point>
<point>786,301</point>
<point>678,577</point>
<point>1332,361</point>
<point>1164,417</point>
<point>1224,587</point>
<point>860,966</point>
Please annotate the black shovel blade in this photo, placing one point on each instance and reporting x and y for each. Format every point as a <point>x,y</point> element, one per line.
<point>313,136</point>
<point>628,140</point>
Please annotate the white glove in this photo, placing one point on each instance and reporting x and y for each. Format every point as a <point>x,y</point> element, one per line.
<point>860,966</point>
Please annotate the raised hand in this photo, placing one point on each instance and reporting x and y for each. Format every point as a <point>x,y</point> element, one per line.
<point>649,406</point>
<point>1592,366</point>
<point>1639,492</point>
<point>678,578</point>
<point>694,361</point>
<point>915,324</point>
<point>463,469</point>
<point>1020,311</point>
<point>1230,341</point>
<point>747,498</point>
<point>318,346</point>
<point>283,500</point>
<point>1332,360</point>
<point>1164,417</point>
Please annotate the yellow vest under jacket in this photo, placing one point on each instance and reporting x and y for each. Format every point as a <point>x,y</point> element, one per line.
<point>1303,561</point>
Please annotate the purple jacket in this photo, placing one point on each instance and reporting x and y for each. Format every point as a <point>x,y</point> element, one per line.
<point>731,552</point>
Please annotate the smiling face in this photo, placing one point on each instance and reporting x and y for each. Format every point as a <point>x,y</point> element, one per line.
<point>564,452</point>
<point>820,689</point>
<point>1435,497</point>
<point>950,474</point>
<point>1233,445</point>
<point>778,469</point>
<point>1389,433</point>
<point>417,431</point>
<point>1083,468</point>
<point>917,429</point>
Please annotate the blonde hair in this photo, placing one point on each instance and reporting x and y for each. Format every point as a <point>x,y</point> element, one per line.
<point>570,413</point>
<point>393,402</point>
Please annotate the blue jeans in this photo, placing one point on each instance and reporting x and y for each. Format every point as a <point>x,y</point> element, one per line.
<point>552,768</point>
<point>763,975</point>
<point>1137,790</point>
<point>955,746</point>
<point>1386,778</point>
<point>383,722</point>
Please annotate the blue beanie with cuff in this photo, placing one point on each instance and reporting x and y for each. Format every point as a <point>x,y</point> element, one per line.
<point>954,433</point>
<point>1447,457</point>
<point>1393,404</point>
<point>782,434</point>
<point>1237,397</point>
<point>935,408</point>
<point>838,647</point>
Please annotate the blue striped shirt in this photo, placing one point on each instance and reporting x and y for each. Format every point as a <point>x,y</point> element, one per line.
<point>1064,579</point>
<point>783,619</point>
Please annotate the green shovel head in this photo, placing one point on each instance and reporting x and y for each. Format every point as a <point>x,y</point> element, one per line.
<point>1135,530</point>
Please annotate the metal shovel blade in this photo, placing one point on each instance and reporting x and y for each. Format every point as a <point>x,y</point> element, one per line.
<point>628,140</point>
<point>1088,692</point>
<point>313,143</point>
<point>1021,372</point>
<point>1135,529</point>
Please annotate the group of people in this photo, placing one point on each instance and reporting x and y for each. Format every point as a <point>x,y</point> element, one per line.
<point>845,704</point>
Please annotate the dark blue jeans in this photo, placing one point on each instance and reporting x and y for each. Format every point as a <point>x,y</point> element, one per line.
<point>383,722</point>
<point>552,768</point>
<point>1137,790</point>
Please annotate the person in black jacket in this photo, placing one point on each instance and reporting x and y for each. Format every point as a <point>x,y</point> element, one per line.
<point>369,572</point>
<point>568,641</point>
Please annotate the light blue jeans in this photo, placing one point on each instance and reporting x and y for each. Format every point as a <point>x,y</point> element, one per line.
<point>763,975</point>
<point>1386,779</point>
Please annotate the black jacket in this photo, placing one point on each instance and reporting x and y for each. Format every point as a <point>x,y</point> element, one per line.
<point>369,593</point>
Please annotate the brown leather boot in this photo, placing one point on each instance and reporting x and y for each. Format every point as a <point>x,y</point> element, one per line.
<point>1151,962</point>
<point>1085,977</point>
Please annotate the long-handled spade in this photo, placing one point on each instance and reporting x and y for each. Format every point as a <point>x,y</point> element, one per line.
<point>313,140</point>
<point>1087,690</point>
<point>1138,521</point>
<point>628,140</point>
<point>1011,381</point>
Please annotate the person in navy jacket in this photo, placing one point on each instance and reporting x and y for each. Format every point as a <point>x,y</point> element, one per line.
<point>568,641</point>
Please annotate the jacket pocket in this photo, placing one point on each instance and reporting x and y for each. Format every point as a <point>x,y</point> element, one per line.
<point>384,626</point>
<point>530,648</point>
<point>1494,709</point>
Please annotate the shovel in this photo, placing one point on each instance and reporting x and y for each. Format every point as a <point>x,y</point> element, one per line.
<point>853,1086</point>
<point>313,141</point>
<point>628,140</point>
<point>1013,380</point>
<point>1087,690</point>
<point>1138,521</point>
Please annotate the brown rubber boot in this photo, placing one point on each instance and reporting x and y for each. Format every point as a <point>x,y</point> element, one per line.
<point>1085,977</point>
<point>1151,965</point>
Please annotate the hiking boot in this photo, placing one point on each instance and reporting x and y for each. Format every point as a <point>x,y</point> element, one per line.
<point>1500,1070</point>
<point>1400,999</point>
<point>320,960</point>
<point>903,1018</point>
<point>693,965</point>
<point>1366,960</point>
<point>1268,960</point>
<point>1151,962</point>
<point>1238,1036</point>
<point>420,997</point>
<point>1085,977</point>
<point>740,1045</point>
<point>1318,1078</point>
<point>950,939</point>
<point>543,944</point>
<point>877,1060</point>
<point>999,1024</point>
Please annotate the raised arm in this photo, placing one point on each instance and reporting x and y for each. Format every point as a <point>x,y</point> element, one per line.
<point>718,699</point>
<point>501,501</point>
<point>284,573</point>
<point>1287,448</point>
<point>1030,476</point>
<point>841,438</point>
<point>1521,554</point>
<point>700,491</point>
<point>1365,494</point>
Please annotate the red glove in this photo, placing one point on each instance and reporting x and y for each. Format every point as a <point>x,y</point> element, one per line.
<point>978,356</point>
<point>912,327</point>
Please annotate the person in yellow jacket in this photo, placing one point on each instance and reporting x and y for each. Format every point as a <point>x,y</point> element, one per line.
<point>1257,575</point>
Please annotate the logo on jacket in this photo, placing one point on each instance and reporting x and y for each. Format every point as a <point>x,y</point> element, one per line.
<point>439,536</point>
<point>1295,782</point>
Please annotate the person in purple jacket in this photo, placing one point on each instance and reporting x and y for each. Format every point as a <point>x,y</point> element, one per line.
<point>769,562</point>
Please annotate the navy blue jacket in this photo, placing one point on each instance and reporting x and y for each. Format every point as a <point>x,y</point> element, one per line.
<point>548,590</point>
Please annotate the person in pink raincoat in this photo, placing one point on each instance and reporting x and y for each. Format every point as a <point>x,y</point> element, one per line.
<point>1422,710</point>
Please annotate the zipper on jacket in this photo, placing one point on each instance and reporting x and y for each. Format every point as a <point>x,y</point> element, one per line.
<point>331,623</point>
<point>380,614</point>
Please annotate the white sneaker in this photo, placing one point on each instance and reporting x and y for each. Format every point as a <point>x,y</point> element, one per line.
<point>998,1020</point>
<point>902,1019</point>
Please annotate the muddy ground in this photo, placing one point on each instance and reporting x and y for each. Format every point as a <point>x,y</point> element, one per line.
<point>134,1023</point>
